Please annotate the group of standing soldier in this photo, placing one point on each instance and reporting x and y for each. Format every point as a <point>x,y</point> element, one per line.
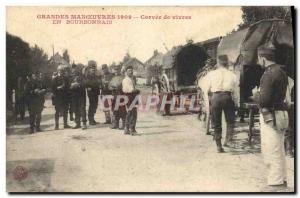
<point>71,86</point>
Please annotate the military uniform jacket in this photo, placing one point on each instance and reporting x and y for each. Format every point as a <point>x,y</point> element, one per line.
<point>94,84</point>
<point>273,86</point>
<point>106,78</point>
<point>61,95</point>
<point>79,89</point>
<point>35,92</point>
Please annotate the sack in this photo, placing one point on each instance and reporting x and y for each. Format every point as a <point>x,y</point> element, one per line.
<point>282,120</point>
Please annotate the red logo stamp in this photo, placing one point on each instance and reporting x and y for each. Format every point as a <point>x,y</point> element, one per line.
<point>20,173</point>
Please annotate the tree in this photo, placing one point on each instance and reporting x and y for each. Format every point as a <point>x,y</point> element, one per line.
<point>17,63</point>
<point>253,14</point>
<point>38,60</point>
<point>66,56</point>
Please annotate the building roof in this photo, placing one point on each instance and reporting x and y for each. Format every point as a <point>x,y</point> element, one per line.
<point>155,59</point>
<point>58,59</point>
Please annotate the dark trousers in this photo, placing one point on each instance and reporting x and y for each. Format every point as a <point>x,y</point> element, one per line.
<point>131,118</point>
<point>20,107</point>
<point>71,108</point>
<point>222,101</point>
<point>61,108</point>
<point>35,114</point>
<point>78,106</point>
<point>93,100</point>
<point>117,113</point>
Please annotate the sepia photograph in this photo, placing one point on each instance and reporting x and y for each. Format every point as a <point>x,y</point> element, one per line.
<point>150,99</point>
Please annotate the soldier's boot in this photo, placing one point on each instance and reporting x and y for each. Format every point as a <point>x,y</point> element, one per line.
<point>126,130</point>
<point>84,127</point>
<point>71,117</point>
<point>122,125</point>
<point>114,125</point>
<point>219,146</point>
<point>38,123</point>
<point>66,126</point>
<point>77,126</point>
<point>133,132</point>
<point>31,129</point>
<point>107,117</point>
<point>38,128</point>
<point>56,121</point>
<point>115,121</point>
<point>92,122</point>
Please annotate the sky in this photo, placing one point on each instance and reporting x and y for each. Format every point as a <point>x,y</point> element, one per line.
<point>107,43</point>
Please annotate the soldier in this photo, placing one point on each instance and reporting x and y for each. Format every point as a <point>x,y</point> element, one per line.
<point>273,117</point>
<point>93,84</point>
<point>115,86</point>
<point>222,85</point>
<point>129,89</point>
<point>106,78</point>
<point>20,97</point>
<point>78,97</point>
<point>70,108</point>
<point>60,99</point>
<point>35,91</point>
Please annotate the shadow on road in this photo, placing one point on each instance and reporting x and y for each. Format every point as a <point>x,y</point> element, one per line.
<point>242,145</point>
<point>161,132</point>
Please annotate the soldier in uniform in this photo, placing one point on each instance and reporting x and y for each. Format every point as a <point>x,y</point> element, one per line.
<point>222,85</point>
<point>60,99</point>
<point>20,97</point>
<point>273,116</point>
<point>93,85</point>
<point>78,97</point>
<point>119,111</point>
<point>70,107</point>
<point>129,89</point>
<point>106,78</point>
<point>35,91</point>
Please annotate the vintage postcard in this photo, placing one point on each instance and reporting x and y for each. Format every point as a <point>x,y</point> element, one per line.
<point>150,99</point>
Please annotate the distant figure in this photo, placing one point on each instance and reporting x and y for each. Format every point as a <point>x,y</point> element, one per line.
<point>106,78</point>
<point>70,107</point>
<point>60,99</point>
<point>78,97</point>
<point>20,97</point>
<point>93,84</point>
<point>35,91</point>
<point>273,117</point>
<point>129,89</point>
<point>115,86</point>
<point>222,84</point>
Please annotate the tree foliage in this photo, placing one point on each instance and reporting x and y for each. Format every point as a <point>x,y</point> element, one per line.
<point>253,14</point>
<point>38,60</point>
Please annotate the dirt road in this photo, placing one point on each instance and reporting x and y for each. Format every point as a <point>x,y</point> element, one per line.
<point>169,154</point>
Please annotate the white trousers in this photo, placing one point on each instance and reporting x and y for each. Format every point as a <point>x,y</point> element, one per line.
<point>272,147</point>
